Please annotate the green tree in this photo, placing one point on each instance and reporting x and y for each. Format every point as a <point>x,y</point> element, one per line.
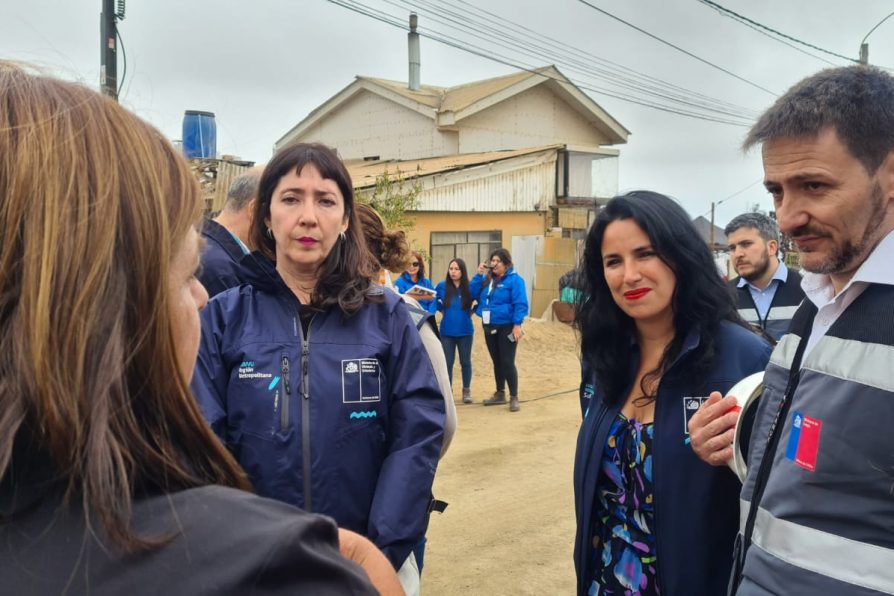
<point>393,197</point>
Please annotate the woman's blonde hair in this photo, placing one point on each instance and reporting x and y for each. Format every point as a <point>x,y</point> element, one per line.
<point>94,204</point>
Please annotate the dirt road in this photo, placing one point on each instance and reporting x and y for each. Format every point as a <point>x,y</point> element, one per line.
<point>509,528</point>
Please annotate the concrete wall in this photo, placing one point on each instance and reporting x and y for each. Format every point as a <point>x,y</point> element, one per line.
<point>533,118</point>
<point>368,124</point>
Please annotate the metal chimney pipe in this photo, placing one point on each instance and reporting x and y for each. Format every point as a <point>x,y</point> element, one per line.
<point>413,46</point>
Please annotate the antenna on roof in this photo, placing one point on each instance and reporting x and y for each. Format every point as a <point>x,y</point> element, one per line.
<point>413,46</point>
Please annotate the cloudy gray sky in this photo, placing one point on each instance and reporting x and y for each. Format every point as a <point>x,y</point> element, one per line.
<point>262,66</point>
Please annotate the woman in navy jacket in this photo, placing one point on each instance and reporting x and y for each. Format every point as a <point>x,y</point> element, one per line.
<point>315,378</point>
<point>455,296</point>
<point>659,332</point>
<point>502,306</point>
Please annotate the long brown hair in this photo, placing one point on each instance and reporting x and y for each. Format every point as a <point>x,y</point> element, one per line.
<point>94,204</point>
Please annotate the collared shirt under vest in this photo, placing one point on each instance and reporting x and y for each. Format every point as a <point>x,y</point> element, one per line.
<point>783,304</point>
<point>824,523</point>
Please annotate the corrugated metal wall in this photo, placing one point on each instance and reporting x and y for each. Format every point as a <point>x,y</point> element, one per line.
<point>512,185</point>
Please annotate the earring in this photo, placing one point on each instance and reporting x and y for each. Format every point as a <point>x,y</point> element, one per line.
<point>341,236</point>
<point>270,233</point>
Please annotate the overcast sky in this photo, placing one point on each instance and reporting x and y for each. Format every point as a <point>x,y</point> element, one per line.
<point>262,66</point>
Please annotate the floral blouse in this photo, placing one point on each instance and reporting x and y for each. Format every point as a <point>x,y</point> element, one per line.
<point>624,548</point>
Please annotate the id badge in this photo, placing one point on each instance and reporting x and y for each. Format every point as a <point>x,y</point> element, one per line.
<point>485,317</point>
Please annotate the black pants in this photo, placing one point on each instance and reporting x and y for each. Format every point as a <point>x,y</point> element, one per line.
<point>502,353</point>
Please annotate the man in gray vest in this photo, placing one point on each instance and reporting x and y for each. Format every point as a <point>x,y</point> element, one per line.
<point>767,293</point>
<point>817,504</point>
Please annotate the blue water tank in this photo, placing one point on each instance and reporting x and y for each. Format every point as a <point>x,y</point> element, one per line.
<point>199,135</point>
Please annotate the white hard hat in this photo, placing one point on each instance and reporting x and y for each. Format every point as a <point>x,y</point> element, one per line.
<point>747,391</point>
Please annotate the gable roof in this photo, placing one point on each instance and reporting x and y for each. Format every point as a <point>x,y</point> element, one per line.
<point>449,105</point>
<point>703,225</point>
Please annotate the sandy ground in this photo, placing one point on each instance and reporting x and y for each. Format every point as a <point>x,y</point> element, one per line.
<point>509,528</point>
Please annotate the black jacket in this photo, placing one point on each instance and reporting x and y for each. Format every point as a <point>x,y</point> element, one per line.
<point>220,259</point>
<point>222,541</point>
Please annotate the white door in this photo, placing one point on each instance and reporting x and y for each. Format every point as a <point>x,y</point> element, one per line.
<point>524,259</point>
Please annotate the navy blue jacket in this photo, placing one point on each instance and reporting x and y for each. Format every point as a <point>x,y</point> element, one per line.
<point>456,321</point>
<point>220,259</point>
<point>405,282</point>
<point>507,301</point>
<point>347,421</point>
<point>696,505</point>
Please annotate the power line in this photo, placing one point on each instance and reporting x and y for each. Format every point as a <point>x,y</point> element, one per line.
<point>774,31</point>
<point>776,39</point>
<point>735,194</point>
<point>679,49</point>
<point>395,21</point>
<point>579,60</point>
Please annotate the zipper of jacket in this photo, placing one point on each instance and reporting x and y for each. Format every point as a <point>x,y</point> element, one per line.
<point>305,413</point>
<point>588,532</point>
<point>655,500</point>
<point>287,392</point>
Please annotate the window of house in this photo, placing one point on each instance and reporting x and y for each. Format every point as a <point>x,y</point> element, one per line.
<point>471,247</point>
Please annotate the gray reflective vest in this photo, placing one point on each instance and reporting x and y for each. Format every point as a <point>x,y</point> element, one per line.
<point>825,524</point>
<point>783,307</point>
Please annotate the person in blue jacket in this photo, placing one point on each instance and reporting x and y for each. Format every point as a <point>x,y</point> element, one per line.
<point>659,331</point>
<point>502,306</point>
<point>316,378</point>
<point>455,296</point>
<point>415,276</point>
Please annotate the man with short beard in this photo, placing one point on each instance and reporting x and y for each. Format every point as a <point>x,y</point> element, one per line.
<point>817,506</point>
<point>767,293</point>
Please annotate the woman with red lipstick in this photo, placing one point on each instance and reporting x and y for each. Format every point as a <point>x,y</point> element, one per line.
<point>659,332</point>
<point>313,376</point>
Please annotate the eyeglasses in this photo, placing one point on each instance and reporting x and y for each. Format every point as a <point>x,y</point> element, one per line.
<point>414,264</point>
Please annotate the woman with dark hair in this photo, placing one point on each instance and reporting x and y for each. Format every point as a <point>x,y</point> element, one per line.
<point>415,276</point>
<point>659,332</point>
<point>110,480</point>
<point>502,306</point>
<point>455,299</point>
<point>390,249</point>
<point>313,376</point>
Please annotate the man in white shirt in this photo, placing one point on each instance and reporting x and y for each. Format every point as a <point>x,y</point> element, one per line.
<point>821,462</point>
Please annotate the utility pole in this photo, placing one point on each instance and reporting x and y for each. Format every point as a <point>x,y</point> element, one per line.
<point>108,50</point>
<point>864,47</point>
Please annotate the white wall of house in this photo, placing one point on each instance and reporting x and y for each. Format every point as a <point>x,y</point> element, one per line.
<point>604,177</point>
<point>368,125</point>
<point>533,118</point>
<point>526,183</point>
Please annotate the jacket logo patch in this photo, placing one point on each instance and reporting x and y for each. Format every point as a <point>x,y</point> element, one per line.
<point>803,442</point>
<point>359,415</point>
<point>690,407</point>
<point>360,381</point>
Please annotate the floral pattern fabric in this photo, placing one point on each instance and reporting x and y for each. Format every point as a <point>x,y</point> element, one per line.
<point>624,548</point>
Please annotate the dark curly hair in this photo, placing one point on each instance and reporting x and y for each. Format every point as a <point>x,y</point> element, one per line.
<point>345,274</point>
<point>700,300</point>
